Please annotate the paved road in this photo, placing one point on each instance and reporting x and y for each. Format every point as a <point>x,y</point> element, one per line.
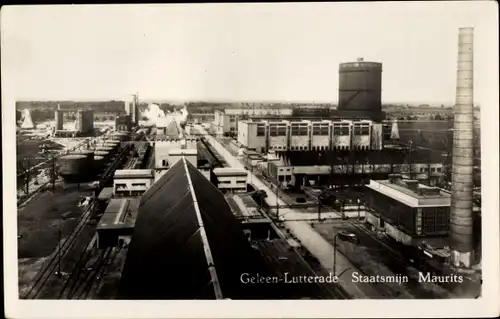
<point>312,241</point>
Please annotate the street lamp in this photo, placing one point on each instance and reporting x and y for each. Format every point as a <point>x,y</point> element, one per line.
<point>335,252</point>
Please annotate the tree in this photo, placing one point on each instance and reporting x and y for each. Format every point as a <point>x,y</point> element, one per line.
<point>27,173</point>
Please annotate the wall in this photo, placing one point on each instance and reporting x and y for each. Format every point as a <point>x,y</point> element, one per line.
<point>361,135</point>
<point>299,135</point>
<point>126,185</point>
<point>278,136</point>
<point>236,183</point>
<point>376,136</point>
<point>397,234</point>
<point>244,133</point>
<point>341,135</point>
<point>162,149</point>
<point>177,156</point>
<point>320,141</point>
<point>221,122</point>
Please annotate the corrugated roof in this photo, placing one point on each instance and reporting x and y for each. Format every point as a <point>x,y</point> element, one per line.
<point>167,258</point>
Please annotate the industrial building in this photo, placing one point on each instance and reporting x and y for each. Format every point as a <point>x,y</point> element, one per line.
<point>84,121</point>
<point>227,121</point>
<point>305,135</point>
<point>407,210</point>
<point>132,182</point>
<point>123,123</point>
<point>185,255</point>
<point>353,168</point>
<point>229,179</point>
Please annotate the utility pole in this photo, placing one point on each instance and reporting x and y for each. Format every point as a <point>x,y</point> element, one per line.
<point>277,200</point>
<point>319,207</point>
<point>410,160</point>
<point>359,208</point>
<point>334,253</point>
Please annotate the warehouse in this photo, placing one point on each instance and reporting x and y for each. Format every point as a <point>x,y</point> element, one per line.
<point>407,210</point>
<point>177,249</point>
<point>352,168</point>
<point>305,135</point>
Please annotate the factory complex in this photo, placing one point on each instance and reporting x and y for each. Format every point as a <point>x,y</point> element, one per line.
<point>174,209</point>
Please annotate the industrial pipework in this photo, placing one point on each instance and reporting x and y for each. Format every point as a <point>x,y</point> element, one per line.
<point>463,155</point>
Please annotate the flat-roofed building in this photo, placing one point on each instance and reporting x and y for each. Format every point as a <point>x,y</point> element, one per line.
<point>229,179</point>
<point>175,155</point>
<point>132,182</point>
<point>407,210</point>
<point>253,135</point>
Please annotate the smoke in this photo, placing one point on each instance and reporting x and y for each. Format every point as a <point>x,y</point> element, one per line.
<point>153,113</point>
<point>156,116</point>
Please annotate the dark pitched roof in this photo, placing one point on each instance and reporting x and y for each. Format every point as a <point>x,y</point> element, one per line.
<point>167,257</point>
<point>172,129</point>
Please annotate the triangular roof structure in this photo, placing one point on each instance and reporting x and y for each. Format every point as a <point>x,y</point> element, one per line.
<point>187,244</point>
<point>172,130</point>
<point>27,120</point>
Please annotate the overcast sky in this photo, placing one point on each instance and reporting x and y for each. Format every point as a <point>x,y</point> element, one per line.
<point>241,51</point>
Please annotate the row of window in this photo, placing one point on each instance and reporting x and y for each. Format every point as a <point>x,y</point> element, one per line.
<point>391,210</point>
<point>361,130</point>
<point>120,186</point>
<point>433,169</point>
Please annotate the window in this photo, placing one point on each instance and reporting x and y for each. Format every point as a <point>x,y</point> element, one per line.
<point>120,186</point>
<point>341,129</point>
<point>361,129</point>
<point>164,163</point>
<point>433,169</point>
<point>138,184</point>
<point>241,182</point>
<point>438,169</point>
<point>261,130</point>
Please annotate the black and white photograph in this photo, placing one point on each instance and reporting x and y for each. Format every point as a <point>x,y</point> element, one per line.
<point>278,154</point>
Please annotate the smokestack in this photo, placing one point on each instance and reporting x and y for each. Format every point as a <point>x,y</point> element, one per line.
<point>462,168</point>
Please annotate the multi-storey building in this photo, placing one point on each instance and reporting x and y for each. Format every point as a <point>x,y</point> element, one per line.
<point>407,210</point>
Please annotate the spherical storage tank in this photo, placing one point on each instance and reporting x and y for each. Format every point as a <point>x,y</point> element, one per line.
<point>75,168</point>
<point>360,90</point>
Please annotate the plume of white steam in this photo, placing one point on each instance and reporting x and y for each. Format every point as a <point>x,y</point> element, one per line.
<point>153,113</point>
<point>157,117</point>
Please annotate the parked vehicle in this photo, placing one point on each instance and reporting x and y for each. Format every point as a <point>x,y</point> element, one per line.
<point>351,237</point>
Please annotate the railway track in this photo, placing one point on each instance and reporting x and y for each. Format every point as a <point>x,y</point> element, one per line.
<point>78,270</point>
<point>63,248</point>
<point>90,280</point>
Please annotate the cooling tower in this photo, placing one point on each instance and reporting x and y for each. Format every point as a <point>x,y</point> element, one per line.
<point>27,121</point>
<point>462,168</point>
<point>395,130</point>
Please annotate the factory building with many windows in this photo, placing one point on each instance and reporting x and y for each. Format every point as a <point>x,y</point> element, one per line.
<point>407,210</point>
